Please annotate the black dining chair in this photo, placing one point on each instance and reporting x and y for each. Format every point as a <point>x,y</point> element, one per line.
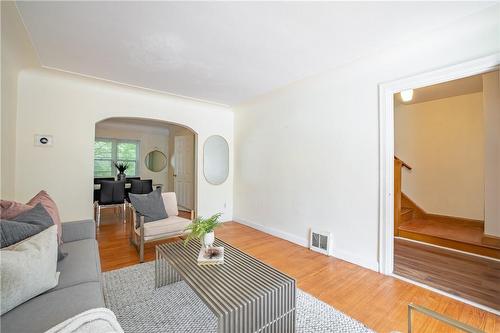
<point>97,189</point>
<point>112,194</point>
<point>144,186</point>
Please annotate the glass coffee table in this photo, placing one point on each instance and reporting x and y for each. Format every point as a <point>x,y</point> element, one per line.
<point>245,294</point>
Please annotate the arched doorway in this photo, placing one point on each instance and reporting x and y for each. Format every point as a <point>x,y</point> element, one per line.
<point>160,151</point>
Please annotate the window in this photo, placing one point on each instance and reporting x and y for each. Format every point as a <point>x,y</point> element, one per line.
<point>106,151</point>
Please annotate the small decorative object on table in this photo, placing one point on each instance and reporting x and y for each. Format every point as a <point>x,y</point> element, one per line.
<point>203,229</point>
<point>211,256</point>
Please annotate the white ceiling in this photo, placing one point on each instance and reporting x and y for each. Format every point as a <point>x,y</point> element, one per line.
<point>225,52</point>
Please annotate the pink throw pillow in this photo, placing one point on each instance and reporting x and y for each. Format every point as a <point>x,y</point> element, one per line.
<point>10,209</point>
<point>51,207</point>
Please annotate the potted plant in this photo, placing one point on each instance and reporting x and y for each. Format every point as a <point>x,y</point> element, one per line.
<point>121,167</point>
<point>203,229</point>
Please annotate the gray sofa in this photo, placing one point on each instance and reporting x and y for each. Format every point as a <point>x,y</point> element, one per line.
<point>79,287</point>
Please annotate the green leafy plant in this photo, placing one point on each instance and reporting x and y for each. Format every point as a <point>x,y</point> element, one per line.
<point>121,166</point>
<point>201,226</point>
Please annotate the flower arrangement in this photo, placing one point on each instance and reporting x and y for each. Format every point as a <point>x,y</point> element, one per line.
<point>201,227</point>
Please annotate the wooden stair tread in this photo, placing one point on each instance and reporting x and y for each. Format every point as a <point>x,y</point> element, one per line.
<point>470,234</point>
<point>406,210</point>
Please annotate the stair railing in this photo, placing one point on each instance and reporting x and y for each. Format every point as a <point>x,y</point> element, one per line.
<point>433,314</point>
<point>403,163</point>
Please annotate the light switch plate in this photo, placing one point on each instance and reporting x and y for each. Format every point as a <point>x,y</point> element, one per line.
<point>43,140</point>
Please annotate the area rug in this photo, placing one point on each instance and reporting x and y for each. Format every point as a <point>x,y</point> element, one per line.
<point>130,294</point>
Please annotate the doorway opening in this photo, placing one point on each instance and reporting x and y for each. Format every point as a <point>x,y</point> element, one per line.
<point>157,152</point>
<point>438,192</point>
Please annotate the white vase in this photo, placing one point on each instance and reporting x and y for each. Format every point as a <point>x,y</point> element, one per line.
<point>208,239</point>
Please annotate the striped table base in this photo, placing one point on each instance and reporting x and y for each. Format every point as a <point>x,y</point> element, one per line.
<point>245,294</point>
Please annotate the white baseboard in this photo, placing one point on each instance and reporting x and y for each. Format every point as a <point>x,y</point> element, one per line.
<point>349,257</point>
<point>275,232</point>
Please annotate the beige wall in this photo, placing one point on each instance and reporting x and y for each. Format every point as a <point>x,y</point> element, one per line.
<point>491,104</point>
<point>150,139</point>
<point>17,53</point>
<point>443,141</point>
<point>68,107</point>
<point>308,153</point>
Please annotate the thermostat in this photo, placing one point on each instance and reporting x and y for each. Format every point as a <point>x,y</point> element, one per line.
<point>43,140</point>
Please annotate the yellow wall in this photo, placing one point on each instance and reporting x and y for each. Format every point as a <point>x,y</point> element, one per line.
<point>17,53</point>
<point>491,102</point>
<point>68,107</point>
<point>443,140</point>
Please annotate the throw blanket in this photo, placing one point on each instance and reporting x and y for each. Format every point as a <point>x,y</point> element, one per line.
<point>100,320</point>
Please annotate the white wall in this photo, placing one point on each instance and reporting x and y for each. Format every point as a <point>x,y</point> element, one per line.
<point>491,102</point>
<point>443,141</point>
<point>308,153</point>
<point>17,53</point>
<point>149,139</point>
<point>68,106</point>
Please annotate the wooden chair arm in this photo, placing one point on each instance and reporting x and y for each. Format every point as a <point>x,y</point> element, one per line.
<point>142,241</point>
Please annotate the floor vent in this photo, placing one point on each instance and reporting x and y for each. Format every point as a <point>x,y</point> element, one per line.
<point>321,242</point>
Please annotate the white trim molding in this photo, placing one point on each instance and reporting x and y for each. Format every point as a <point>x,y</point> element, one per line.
<point>303,241</point>
<point>275,232</point>
<point>386,139</point>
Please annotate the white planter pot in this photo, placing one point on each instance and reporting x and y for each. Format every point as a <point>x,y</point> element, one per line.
<point>208,239</point>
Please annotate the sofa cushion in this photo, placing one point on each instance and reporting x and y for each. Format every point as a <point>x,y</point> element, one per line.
<point>170,225</point>
<point>12,232</point>
<point>50,205</point>
<point>38,216</point>
<point>10,209</point>
<point>51,308</point>
<point>28,269</point>
<point>82,264</point>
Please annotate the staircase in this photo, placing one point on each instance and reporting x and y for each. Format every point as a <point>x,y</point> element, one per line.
<point>412,222</point>
<point>406,214</point>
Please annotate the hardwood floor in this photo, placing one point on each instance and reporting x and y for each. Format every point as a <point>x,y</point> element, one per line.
<point>466,237</point>
<point>469,276</point>
<point>379,301</point>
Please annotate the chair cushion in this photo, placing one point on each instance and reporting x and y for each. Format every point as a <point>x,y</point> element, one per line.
<point>169,226</point>
<point>170,202</point>
<point>149,205</point>
<point>82,264</point>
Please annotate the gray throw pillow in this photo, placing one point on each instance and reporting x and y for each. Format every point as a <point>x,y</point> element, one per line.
<point>28,223</point>
<point>149,205</point>
<point>12,232</point>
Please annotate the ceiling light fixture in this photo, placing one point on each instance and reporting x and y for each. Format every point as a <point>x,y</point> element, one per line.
<point>406,95</point>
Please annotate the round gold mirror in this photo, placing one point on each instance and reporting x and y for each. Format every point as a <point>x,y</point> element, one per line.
<point>155,161</point>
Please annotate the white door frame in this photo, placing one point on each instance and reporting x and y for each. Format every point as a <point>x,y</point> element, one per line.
<point>386,149</point>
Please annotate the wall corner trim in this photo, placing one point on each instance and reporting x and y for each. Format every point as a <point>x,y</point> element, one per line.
<point>346,256</point>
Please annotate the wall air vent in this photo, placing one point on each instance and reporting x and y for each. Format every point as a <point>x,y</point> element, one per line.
<point>321,242</point>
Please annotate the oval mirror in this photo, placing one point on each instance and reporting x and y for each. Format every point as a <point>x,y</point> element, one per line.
<point>155,161</point>
<point>216,160</point>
